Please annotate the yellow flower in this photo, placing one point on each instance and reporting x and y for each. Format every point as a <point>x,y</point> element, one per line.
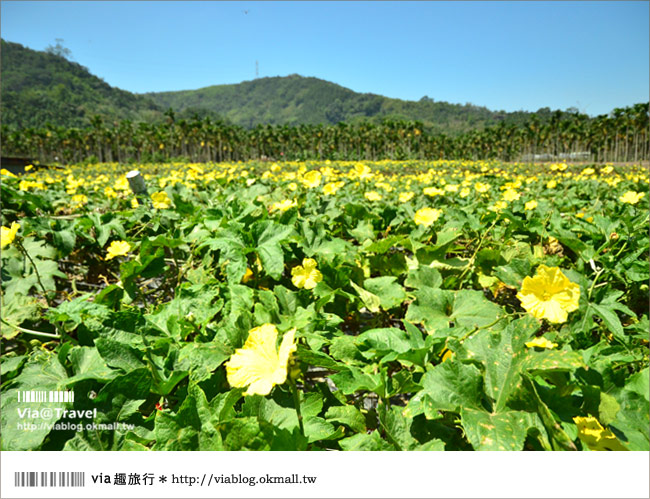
<point>588,171</point>
<point>117,248</point>
<point>405,197</point>
<point>594,436</point>
<point>481,187</point>
<point>332,187</point>
<point>247,276</point>
<point>259,365</point>
<point>372,196</point>
<point>551,184</point>
<point>9,234</point>
<point>433,191</point>
<point>161,200</point>
<point>531,205</point>
<point>511,195</point>
<point>541,342</point>
<point>426,216</point>
<point>307,275</point>
<point>607,170</point>
<point>283,205</point>
<point>6,172</point>
<point>312,179</point>
<point>361,171</point>
<point>464,192</point>
<point>631,197</point>
<point>79,200</point>
<point>549,295</point>
<point>292,186</point>
<point>498,206</point>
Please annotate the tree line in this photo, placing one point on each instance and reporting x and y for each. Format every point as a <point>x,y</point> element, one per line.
<point>621,136</point>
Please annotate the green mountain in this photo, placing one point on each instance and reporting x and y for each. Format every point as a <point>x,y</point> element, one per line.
<point>43,87</point>
<point>40,87</point>
<point>295,99</point>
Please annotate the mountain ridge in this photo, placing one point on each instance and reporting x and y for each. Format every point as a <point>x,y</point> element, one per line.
<point>39,87</point>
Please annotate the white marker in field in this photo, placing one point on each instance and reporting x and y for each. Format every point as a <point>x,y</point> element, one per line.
<point>138,186</point>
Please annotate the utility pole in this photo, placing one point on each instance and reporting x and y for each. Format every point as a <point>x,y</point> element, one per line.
<point>257,69</point>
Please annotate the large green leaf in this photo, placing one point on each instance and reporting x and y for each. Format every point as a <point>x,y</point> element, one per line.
<point>439,309</point>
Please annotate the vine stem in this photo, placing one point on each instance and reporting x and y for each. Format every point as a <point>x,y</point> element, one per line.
<point>38,276</point>
<point>470,264</point>
<point>31,331</point>
<point>296,401</point>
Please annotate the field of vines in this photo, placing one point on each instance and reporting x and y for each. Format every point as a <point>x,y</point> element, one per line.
<point>326,305</point>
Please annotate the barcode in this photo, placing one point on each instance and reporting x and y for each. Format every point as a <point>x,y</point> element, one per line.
<point>43,396</point>
<point>49,479</point>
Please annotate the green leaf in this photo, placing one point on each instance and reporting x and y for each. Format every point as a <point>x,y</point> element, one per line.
<point>370,300</point>
<point>451,386</point>
<point>119,355</point>
<point>514,273</point>
<point>438,309</point>
<point>423,277</point>
<point>347,415</point>
<point>610,319</point>
<point>389,292</point>
<point>365,442</point>
<point>502,355</point>
<point>87,363</point>
<point>497,431</point>
<point>42,372</point>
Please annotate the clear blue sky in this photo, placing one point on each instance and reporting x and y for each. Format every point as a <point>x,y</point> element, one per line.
<point>502,55</point>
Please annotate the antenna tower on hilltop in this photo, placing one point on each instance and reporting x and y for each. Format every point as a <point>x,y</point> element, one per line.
<point>257,69</point>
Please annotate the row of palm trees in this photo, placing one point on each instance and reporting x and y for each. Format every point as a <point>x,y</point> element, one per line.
<point>623,135</point>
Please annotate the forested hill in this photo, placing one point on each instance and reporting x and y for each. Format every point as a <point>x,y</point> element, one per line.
<point>295,99</point>
<point>40,87</point>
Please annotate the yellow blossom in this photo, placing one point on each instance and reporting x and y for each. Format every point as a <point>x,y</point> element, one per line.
<point>292,186</point>
<point>551,184</point>
<point>631,197</point>
<point>511,195</point>
<point>283,206</point>
<point>259,365</point>
<point>549,295</point>
<point>426,216</point>
<point>594,436</point>
<point>7,173</point>
<point>307,275</point>
<point>481,187</point>
<point>9,234</point>
<point>531,205</point>
<point>498,206</point>
<point>607,170</point>
<point>117,248</point>
<point>331,188</point>
<point>161,200</point>
<point>541,342</point>
<point>79,200</point>
<point>312,179</point>
<point>588,171</point>
<point>464,192</point>
<point>433,191</point>
<point>247,276</point>
<point>405,197</point>
<point>372,196</point>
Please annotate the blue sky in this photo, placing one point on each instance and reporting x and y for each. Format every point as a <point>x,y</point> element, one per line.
<point>502,55</point>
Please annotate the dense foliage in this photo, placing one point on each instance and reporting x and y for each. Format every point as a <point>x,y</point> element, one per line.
<point>360,306</point>
<point>624,136</point>
<point>40,87</point>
